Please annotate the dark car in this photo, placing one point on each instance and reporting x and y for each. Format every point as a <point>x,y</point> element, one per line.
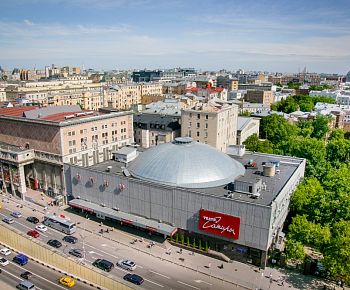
<point>54,243</point>
<point>32,219</point>
<point>76,252</point>
<point>133,278</point>
<point>103,265</point>
<point>26,275</point>
<point>34,234</point>
<point>70,239</point>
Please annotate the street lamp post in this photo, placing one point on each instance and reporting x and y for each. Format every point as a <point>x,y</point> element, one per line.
<point>83,237</point>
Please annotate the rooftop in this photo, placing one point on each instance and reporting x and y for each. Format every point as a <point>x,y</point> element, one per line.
<point>288,166</point>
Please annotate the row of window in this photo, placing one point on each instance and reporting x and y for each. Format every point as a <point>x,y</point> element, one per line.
<point>198,125</point>
<point>198,134</point>
<point>199,116</point>
<point>94,129</point>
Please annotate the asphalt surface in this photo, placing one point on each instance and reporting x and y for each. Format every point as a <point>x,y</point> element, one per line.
<point>43,278</point>
<point>157,274</point>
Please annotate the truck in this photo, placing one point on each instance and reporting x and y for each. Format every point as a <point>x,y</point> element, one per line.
<point>20,259</point>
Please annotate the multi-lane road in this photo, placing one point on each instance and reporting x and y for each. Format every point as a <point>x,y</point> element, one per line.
<point>156,273</point>
<point>42,277</point>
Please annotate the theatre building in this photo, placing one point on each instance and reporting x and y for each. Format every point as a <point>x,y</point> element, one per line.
<point>235,203</point>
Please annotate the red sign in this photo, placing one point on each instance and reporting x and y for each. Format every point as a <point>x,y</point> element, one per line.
<point>219,224</point>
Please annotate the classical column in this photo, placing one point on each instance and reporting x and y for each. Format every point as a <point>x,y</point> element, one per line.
<point>22,181</point>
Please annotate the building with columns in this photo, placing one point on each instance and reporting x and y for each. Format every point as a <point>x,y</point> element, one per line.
<point>36,142</point>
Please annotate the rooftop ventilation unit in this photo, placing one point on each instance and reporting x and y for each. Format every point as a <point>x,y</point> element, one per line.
<point>69,117</point>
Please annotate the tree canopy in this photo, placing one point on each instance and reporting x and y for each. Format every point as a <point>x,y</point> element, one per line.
<point>320,206</point>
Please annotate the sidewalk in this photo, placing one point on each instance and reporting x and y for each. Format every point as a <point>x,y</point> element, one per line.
<point>242,275</point>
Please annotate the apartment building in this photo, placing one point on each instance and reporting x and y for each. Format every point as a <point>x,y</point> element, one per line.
<point>151,89</point>
<point>154,129</point>
<point>213,123</point>
<point>122,97</point>
<point>259,96</point>
<point>57,135</point>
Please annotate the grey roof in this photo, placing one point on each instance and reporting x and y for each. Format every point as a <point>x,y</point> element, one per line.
<point>187,164</point>
<point>242,122</point>
<point>48,111</point>
<point>128,218</point>
<point>126,150</point>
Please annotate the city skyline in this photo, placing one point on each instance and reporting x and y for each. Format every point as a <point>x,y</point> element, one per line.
<point>207,35</point>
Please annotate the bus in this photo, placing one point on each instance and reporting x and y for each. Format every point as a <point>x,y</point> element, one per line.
<point>60,224</point>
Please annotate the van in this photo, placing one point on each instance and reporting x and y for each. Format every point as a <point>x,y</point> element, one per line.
<point>25,285</point>
<point>20,259</point>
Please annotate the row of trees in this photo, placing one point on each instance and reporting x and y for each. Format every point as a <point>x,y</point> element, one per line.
<point>320,207</point>
<point>303,103</point>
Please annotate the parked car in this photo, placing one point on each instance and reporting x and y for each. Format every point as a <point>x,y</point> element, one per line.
<point>5,251</point>
<point>133,278</point>
<point>70,239</point>
<point>67,281</point>
<point>127,264</point>
<point>16,214</point>
<point>4,262</point>
<point>21,259</point>
<point>33,233</point>
<point>8,220</point>
<point>32,219</point>
<point>26,275</point>
<point>103,265</point>
<point>54,243</point>
<point>41,228</point>
<point>76,252</point>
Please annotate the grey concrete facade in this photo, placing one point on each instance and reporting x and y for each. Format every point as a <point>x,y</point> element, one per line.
<point>260,222</point>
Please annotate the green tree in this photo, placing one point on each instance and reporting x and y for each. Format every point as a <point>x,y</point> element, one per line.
<point>194,243</point>
<point>305,127</point>
<point>320,125</point>
<point>176,237</point>
<point>338,151</point>
<point>253,143</point>
<point>277,129</point>
<point>295,251</point>
<point>200,245</point>
<point>188,241</point>
<point>312,149</point>
<point>182,237</point>
<point>337,254</point>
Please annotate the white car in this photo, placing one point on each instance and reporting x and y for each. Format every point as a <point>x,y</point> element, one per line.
<point>4,262</point>
<point>5,251</point>
<point>127,264</point>
<point>41,228</point>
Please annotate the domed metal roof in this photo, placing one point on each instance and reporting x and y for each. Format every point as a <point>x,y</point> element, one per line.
<point>188,164</point>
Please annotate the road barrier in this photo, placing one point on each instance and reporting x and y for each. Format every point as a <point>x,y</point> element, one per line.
<point>39,252</point>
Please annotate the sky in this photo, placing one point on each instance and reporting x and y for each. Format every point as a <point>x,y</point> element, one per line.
<point>267,35</point>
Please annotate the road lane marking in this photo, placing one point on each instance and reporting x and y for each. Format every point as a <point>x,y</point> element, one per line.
<point>188,285</point>
<point>201,281</point>
<point>154,283</point>
<point>20,279</point>
<point>37,275</point>
<point>25,226</point>
<point>159,274</point>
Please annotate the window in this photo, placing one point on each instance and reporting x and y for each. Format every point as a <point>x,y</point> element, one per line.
<point>206,126</point>
<point>198,116</point>
<point>198,125</point>
<point>189,133</point>
<point>206,117</point>
<point>197,134</point>
<point>206,135</point>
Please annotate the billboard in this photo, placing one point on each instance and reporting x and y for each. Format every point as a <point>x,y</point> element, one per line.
<point>219,224</point>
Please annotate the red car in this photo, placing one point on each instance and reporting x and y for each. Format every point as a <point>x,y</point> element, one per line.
<point>34,234</point>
